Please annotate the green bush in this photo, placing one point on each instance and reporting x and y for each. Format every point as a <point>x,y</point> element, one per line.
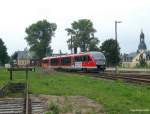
<point>54,108</point>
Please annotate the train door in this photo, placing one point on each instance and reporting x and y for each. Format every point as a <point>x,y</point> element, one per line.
<point>78,62</point>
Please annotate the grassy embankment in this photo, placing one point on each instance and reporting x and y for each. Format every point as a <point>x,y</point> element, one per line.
<point>115,96</point>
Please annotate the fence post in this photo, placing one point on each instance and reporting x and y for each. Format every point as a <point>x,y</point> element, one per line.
<point>26,73</point>
<point>10,73</point>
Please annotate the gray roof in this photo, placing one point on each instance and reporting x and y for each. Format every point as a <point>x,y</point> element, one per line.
<point>142,34</point>
<point>22,55</point>
<point>133,54</point>
<point>142,46</point>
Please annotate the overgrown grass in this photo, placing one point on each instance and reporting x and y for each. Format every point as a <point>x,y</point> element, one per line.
<point>3,77</point>
<point>115,96</point>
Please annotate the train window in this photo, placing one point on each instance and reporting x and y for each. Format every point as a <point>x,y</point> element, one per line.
<point>86,58</point>
<point>45,61</point>
<point>78,59</point>
<point>98,56</point>
<point>66,60</point>
<point>54,61</point>
<point>82,58</point>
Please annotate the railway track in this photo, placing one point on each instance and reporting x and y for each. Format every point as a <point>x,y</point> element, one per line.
<point>12,106</point>
<point>127,77</point>
<point>22,105</point>
<point>32,105</point>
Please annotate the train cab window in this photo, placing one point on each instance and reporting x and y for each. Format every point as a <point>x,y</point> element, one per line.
<point>54,61</point>
<point>66,60</point>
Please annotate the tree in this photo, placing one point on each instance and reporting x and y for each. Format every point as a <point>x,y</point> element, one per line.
<point>142,61</point>
<point>39,37</point>
<point>73,44</point>
<point>82,35</point>
<point>94,45</point>
<point>4,58</point>
<point>111,52</point>
<point>14,56</point>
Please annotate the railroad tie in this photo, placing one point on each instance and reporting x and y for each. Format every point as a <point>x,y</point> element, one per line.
<point>37,107</point>
<point>11,105</point>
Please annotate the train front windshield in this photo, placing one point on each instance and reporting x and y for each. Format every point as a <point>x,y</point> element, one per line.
<point>99,58</point>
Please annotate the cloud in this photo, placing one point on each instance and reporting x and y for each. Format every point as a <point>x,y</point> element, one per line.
<point>16,15</point>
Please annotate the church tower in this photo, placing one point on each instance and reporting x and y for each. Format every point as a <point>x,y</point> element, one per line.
<point>142,46</point>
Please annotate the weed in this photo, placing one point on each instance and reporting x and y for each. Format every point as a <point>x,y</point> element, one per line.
<point>54,108</point>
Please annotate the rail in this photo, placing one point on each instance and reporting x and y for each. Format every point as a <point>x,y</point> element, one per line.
<point>27,103</point>
<point>24,105</point>
<point>26,99</point>
<point>128,77</point>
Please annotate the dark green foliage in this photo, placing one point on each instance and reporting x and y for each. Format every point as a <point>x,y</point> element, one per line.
<point>54,108</point>
<point>82,35</point>
<point>93,45</point>
<point>39,37</point>
<point>4,58</point>
<point>111,52</point>
<point>13,59</point>
<point>14,56</point>
<point>142,61</point>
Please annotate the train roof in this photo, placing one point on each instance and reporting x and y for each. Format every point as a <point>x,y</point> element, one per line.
<point>95,52</point>
<point>71,55</point>
<point>46,58</point>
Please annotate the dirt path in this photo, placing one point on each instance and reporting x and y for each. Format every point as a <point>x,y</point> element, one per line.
<point>71,105</point>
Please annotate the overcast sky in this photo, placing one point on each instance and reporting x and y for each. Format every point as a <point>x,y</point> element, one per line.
<point>16,15</point>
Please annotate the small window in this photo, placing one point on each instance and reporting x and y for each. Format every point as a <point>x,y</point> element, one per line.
<point>54,61</point>
<point>78,59</point>
<point>66,60</point>
<point>45,61</point>
<point>82,58</point>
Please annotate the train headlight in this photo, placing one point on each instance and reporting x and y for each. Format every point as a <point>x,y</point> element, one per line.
<point>104,62</point>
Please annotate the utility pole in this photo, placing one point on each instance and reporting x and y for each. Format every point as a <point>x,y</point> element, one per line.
<point>71,44</point>
<point>116,39</point>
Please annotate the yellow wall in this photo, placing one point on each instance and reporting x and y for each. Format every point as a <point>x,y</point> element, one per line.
<point>23,62</point>
<point>132,64</point>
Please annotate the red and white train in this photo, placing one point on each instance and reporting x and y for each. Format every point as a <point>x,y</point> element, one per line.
<point>84,61</point>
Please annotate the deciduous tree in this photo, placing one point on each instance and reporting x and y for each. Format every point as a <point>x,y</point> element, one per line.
<point>4,58</point>
<point>111,52</point>
<point>39,37</point>
<point>82,35</point>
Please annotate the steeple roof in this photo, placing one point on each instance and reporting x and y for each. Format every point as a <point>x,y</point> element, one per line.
<point>142,34</point>
<point>142,45</point>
